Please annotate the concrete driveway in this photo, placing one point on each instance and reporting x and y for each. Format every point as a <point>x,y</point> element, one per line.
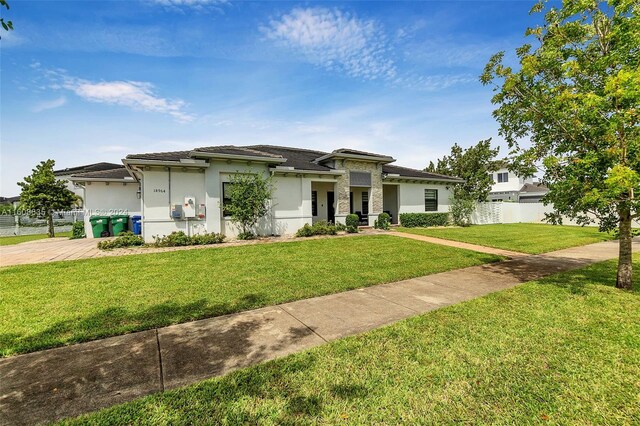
<point>48,250</point>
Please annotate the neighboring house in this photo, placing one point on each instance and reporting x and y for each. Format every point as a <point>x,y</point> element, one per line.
<point>532,192</point>
<point>185,190</point>
<point>65,174</point>
<point>508,186</point>
<point>14,201</point>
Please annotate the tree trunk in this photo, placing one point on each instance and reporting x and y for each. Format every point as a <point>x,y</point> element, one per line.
<point>624,279</point>
<point>50,224</point>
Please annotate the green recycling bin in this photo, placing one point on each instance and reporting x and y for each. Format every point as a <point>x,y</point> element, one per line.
<point>99,226</point>
<point>119,223</point>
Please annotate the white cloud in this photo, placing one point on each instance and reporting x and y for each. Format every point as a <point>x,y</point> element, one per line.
<point>192,4</point>
<point>45,105</point>
<point>335,40</point>
<point>133,94</point>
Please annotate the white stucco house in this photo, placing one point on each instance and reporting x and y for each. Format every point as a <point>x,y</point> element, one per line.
<point>508,186</point>
<point>185,190</point>
<point>65,174</point>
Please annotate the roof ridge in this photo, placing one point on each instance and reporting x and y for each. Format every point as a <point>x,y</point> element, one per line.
<point>239,148</point>
<point>290,148</point>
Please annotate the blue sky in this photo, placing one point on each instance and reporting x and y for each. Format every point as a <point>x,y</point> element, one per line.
<point>89,81</point>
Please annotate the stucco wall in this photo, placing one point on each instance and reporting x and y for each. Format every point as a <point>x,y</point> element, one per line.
<point>412,197</point>
<point>108,199</point>
<point>322,188</point>
<point>513,184</point>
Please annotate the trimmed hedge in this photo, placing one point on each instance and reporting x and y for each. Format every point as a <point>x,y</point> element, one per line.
<point>423,220</point>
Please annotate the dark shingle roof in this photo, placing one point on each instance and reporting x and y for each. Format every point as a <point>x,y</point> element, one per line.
<point>86,168</point>
<point>534,188</point>
<point>236,150</point>
<point>162,156</point>
<point>119,173</point>
<point>297,158</point>
<point>407,172</point>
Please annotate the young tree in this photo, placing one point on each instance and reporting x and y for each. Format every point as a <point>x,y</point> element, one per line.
<point>474,165</point>
<point>576,97</point>
<point>248,197</point>
<point>42,194</point>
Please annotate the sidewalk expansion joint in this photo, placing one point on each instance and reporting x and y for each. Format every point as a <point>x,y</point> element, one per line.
<point>301,322</point>
<point>160,361</point>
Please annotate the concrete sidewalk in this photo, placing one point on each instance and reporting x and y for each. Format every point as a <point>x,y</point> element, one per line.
<point>68,381</point>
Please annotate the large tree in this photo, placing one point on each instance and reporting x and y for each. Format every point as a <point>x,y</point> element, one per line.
<point>474,165</point>
<point>42,194</point>
<point>575,99</point>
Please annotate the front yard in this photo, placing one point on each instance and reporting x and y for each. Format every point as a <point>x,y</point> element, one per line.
<point>17,239</point>
<point>562,350</point>
<point>47,305</point>
<point>533,238</point>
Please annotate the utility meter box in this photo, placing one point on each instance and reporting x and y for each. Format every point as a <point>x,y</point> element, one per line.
<point>202,211</point>
<point>189,207</point>
<point>176,211</point>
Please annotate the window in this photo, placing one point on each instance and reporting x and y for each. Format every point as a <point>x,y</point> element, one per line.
<point>365,203</point>
<point>314,203</point>
<point>430,200</point>
<point>503,177</point>
<point>225,199</point>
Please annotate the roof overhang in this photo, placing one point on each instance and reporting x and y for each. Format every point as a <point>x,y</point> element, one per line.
<point>400,178</point>
<point>129,162</point>
<point>293,171</point>
<point>247,158</point>
<point>86,179</point>
<point>345,156</point>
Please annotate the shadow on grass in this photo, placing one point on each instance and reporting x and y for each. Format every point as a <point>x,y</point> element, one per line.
<point>114,321</point>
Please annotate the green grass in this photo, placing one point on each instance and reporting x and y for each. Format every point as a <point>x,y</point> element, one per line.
<point>49,305</point>
<point>17,239</point>
<point>562,350</point>
<point>533,238</point>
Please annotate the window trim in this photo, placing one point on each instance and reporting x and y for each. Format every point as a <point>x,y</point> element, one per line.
<point>431,199</point>
<point>225,199</point>
<point>314,203</point>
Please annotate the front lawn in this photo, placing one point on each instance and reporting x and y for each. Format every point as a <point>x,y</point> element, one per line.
<point>562,350</point>
<point>52,304</point>
<point>17,239</point>
<point>533,238</point>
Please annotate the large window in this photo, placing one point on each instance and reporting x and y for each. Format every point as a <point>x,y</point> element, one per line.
<point>365,203</point>
<point>430,200</point>
<point>314,203</point>
<point>503,177</point>
<point>225,198</point>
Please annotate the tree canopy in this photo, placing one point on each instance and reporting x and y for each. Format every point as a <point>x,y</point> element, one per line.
<point>42,194</point>
<point>474,165</point>
<point>247,201</point>
<point>573,106</point>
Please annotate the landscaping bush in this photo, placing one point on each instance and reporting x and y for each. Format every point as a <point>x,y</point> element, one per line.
<point>248,235</point>
<point>77,231</point>
<point>340,227</point>
<point>461,210</point>
<point>423,220</point>
<point>321,227</point>
<point>180,239</point>
<point>125,239</point>
<point>353,221</point>
<point>383,222</point>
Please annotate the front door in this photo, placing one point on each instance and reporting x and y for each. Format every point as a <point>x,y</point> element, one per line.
<point>331,211</point>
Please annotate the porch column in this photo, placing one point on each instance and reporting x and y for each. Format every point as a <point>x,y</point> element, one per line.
<point>376,194</point>
<point>342,190</point>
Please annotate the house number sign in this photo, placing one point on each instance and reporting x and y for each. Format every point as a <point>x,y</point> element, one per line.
<point>159,190</point>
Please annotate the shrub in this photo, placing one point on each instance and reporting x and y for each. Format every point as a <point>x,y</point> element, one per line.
<point>383,222</point>
<point>461,210</point>
<point>412,220</point>
<point>340,227</point>
<point>77,231</point>
<point>247,235</point>
<point>206,239</point>
<point>125,239</point>
<point>352,223</point>
<point>180,239</point>
<point>321,227</point>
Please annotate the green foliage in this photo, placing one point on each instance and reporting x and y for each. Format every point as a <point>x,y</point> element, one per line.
<point>6,25</point>
<point>383,221</point>
<point>249,196</point>
<point>461,210</point>
<point>474,165</point>
<point>615,234</point>
<point>352,221</point>
<point>125,239</point>
<point>321,227</point>
<point>7,209</point>
<point>340,227</point>
<point>77,231</point>
<point>42,193</point>
<point>575,99</point>
<point>180,239</point>
<point>423,220</point>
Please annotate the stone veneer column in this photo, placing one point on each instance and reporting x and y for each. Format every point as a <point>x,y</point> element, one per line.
<point>343,188</point>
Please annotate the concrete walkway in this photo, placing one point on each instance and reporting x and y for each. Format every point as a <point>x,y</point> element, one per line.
<point>482,249</point>
<point>68,381</point>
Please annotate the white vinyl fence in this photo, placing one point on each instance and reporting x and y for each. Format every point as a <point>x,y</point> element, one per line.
<point>25,225</point>
<point>502,212</point>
